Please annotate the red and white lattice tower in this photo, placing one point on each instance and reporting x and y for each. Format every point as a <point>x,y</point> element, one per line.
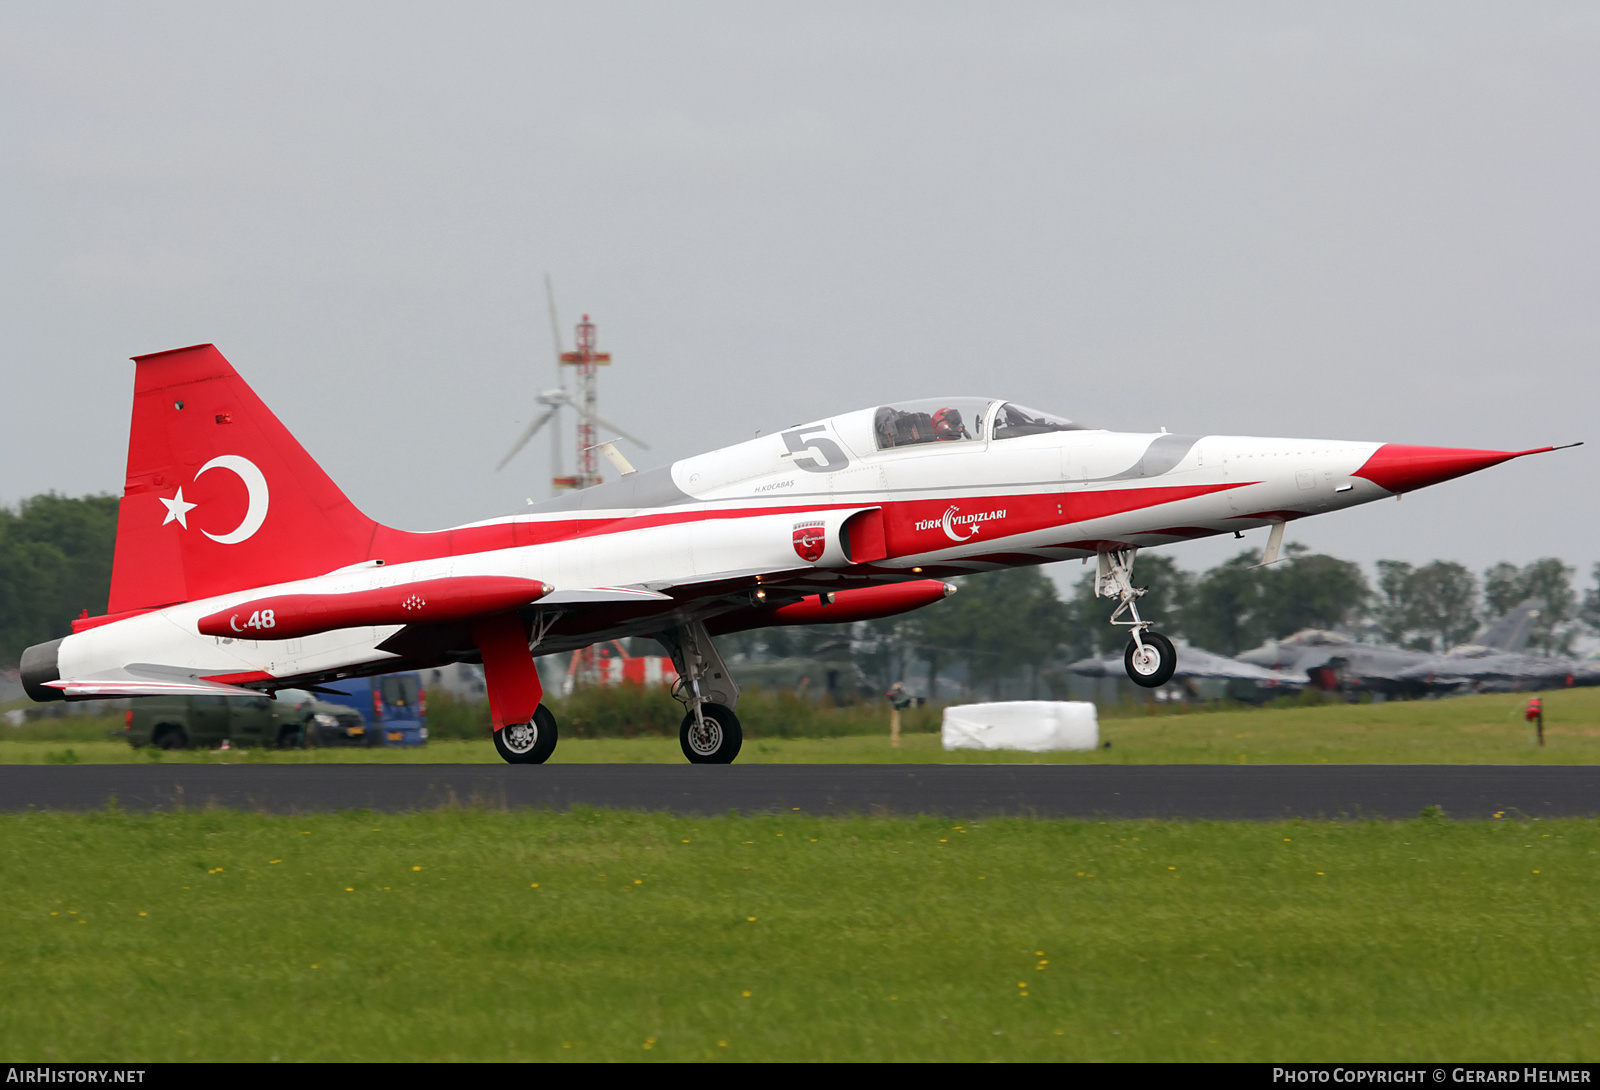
<point>585,359</point>
<point>586,661</point>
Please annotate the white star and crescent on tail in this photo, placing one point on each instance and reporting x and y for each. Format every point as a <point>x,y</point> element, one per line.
<point>255,483</point>
<point>177,510</point>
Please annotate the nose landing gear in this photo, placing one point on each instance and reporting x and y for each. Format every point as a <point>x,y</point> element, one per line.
<point>1150,658</point>
<point>710,733</point>
<point>711,737</point>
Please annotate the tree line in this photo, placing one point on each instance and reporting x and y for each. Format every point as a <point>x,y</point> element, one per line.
<point>55,562</point>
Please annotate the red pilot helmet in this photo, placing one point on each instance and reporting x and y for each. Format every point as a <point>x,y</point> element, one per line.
<point>947,424</point>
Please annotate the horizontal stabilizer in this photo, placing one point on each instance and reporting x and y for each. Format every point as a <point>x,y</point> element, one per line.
<point>139,679</point>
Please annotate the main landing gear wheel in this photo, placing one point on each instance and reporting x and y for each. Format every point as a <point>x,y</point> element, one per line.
<point>714,739</point>
<point>1151,665</point>
<point>528,743</point>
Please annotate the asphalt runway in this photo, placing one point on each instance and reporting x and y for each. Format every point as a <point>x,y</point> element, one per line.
<point>1255,792</point>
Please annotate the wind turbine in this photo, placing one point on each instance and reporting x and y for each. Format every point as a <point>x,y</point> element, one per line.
<point>583,405</point>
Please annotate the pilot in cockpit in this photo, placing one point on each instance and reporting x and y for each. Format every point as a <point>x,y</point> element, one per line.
<point>947,425</point>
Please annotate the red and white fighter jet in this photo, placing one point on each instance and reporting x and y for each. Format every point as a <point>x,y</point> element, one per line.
<point>241,567</point>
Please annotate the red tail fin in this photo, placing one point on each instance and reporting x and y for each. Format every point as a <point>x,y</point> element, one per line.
<point>219,496</point>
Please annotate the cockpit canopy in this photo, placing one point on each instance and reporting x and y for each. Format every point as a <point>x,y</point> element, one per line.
<point>1013,420</point>
<point>959,419</point>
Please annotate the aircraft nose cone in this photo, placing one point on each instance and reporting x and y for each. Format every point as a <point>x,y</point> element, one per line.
<point>1401,468</point>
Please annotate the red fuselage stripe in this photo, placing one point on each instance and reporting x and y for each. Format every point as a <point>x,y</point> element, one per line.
<point>912,526</point>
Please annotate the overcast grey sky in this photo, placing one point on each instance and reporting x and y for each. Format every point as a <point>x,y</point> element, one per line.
<point>1364,221</point>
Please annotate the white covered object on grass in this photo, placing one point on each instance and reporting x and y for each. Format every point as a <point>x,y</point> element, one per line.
<point>1032,725</point>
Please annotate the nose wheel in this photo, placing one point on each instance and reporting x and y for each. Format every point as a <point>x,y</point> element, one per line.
<point>711,738</point>
<point>1150,660</point>
<point>529,743</point>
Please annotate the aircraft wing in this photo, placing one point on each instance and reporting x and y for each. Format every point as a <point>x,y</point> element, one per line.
<point>591,596</point>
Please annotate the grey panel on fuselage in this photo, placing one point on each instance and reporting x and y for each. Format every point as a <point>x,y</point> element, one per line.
<point>1164,453</point>
<point>650,488</point>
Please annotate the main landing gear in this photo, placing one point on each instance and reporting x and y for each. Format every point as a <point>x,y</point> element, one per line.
<point>529,743</point>
<point>525,731</point>
<point>1150,658</point>
<point>710,733</point>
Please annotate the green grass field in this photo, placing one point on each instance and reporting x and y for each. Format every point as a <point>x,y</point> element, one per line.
<point>481,935</point>
<point>1463,730</point>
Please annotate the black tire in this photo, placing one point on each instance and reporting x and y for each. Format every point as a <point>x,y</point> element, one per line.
<point>718,743</point>
<point>171,736</point>
<point>529,743</point>
<point>1156,666</point>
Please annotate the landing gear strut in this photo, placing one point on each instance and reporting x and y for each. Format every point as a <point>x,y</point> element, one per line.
<point>524,729</point>
<point>710,733</point>
<point>1150,658</point>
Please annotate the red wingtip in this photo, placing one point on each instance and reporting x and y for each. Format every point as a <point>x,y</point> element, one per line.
<point>1401,468</point>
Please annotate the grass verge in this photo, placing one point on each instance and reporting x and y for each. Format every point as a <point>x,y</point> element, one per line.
<point>592,935</point>
<point>1464,730</point>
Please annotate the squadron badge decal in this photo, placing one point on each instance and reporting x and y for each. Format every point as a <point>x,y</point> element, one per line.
<point>810,539</point>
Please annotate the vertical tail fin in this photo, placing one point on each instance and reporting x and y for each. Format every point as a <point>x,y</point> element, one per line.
<point>219,496</point>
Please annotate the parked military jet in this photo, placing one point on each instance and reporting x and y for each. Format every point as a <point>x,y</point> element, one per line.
<point>1335,660</point>
<point>1495,661</point>
<point>1491,663</point>
<point>241,567</point>
<point>1485,670</point>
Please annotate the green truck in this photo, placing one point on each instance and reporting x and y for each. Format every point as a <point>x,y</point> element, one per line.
<point>295,720</point>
